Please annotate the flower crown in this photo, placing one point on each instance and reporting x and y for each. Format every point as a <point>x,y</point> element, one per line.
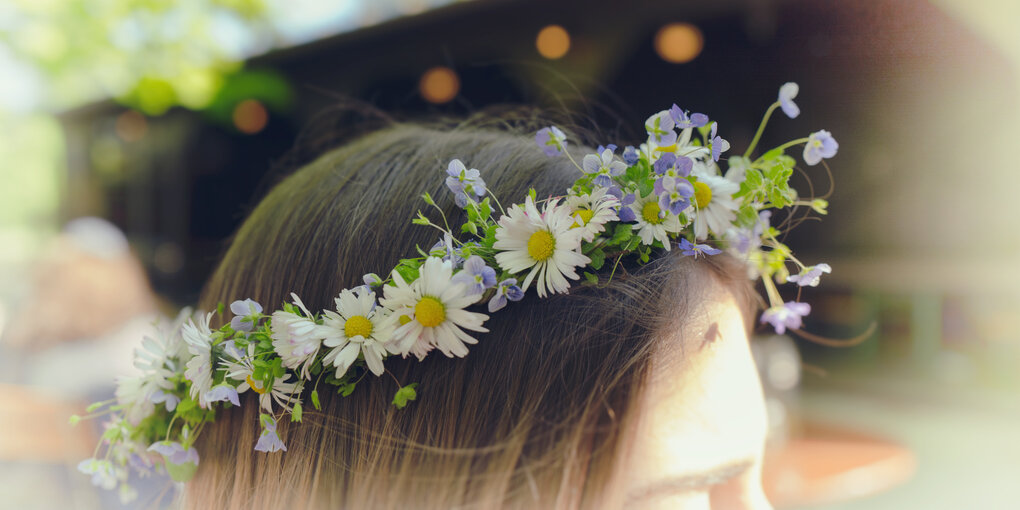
<point>667,193</point>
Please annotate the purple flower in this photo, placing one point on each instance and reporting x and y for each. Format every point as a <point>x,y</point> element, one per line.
<point>169,399</point>
<point>719,145</point>
<point>174,453</point>
<point>551,140</point>
<point>787,92</point>
<point>674,193</point>
<point>242,310</point>
<point>672,165</point>
<point>683,121</point>
<point>222,393</point>
<point>660,128</point>
<point>103,474</point>
<point>631,156</point>
<point>611,147</point>
<point>746,239</point>
<point>810,276</point>
<point>464,183</point>
<point>476,276</point>
<point>445,245</point>
<point>603,166</point>
<point>269,441</point>
<point>627,214</point>
<point>820,145</point>
<point>507,289</point>
<point>785,316</point>
<point>694,250</point>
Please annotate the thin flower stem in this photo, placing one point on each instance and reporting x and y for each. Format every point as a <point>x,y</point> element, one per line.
<point>761,129</point>
<point>494,199</point>
<point>441,214</point>
<point>787,145</point>
<point>571,158</point>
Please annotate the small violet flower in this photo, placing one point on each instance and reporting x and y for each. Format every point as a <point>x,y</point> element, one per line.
<point>719,145</point>
<point>674,166</point>
<point>787,92</point>
<point>244,310</point>
<point>603,166</point>
<point>269,441</point>
<point>785,316</point>
<point>476,277</point>
<point>445,245</point>
<point>103,474</point>
<point>223,393</point>
<point>551,140</point>
<point>631,155</point>
<point>660,129</point>
<point>674,193</point>
<point>694,250</point>
<point>507,289</point>
<point>464,183</point>
<point>810,276</point>
<point>820,145</point>
<point>626,213</point>
<point>684,121</point>
<point>168,399</point>
<point>174,452</point>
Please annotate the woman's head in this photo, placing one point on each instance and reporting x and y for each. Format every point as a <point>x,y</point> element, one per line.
<point>574,401</point>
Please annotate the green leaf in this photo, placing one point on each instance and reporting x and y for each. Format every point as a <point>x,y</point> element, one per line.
<point>315,400</point>
<point>622,232</point>
<point>421,219</point>
<point>428,198</point>
<point>591,278</point>
<point>598,258</point>
<point>405,395</point>
<point>485,209</point>
<point>219,308</point>
<point>93,407</point>
<point>346,389</point>
<point>633,244</point>
<point>532,193</point>
<point>469,227</point>
<point>295,414</point>
<point>186,405</point>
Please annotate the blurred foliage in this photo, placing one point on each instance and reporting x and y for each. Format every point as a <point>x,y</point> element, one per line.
<point>150,54</point>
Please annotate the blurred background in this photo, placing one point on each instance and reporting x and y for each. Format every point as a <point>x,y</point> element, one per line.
<point>136,134</point>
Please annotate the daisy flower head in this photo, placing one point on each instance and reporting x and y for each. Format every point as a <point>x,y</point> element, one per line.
<point>603,166</point>
<point>357,327</point>
<point>546,243</point>
<point>239,365</point>
<point>653,222</point>
<point>820,145</point>
<point>714,207</point>
<point>551,140</point>
<point>430,312</point>
<point>296,338</point>
<point>592,211</point>
<point>199,370</point>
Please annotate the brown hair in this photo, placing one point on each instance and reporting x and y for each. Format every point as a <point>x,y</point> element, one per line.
<point>531,418</point>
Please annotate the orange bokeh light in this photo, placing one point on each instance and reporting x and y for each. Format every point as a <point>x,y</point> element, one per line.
<point>553,42</point>
<point>679,42</point>
<point>439,85</point>
<point>131,126</point>
<point>250,116</point>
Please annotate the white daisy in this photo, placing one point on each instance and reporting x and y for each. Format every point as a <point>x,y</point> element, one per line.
<point>653,223</point>
<point>713,204</point>
<point>296,338</point>
<point>592,211</point>
<point>358,326</point>
<point>547,243</point>
<point>199,369</point>
<point>429,312</point>
<point>158,359</point>
<point>240,367</point>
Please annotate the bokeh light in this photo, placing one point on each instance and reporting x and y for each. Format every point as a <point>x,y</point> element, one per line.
<point>439,85</point>
<point>679,42</point>
<point>131,126</point>
<point>553,42</point>
<point>250,116</point>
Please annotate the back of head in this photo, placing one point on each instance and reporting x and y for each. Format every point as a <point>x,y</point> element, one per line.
<point>534,417</point>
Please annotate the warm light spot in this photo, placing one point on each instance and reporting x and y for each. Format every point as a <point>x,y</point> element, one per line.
<point>357,326</point>
<point>430,312</point>
<point>679,42</point>
<point>541,245</point>
<point>131,126</point>
<point>439,85</point>
<point>702,195</point>
<point>254,387</point>
<point>583,216</point>
<point>250,116</point>
<point>553,42</point>
<point>650,213</point>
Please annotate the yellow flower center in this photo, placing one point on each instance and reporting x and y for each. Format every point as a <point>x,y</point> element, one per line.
<point>254,387</point>
<point>430,312</point>
<point>650,213</point>
<point>404,319</point>
<point>541,245</point>
<point>583,217</point>
<point>702,195</point>
<point>357,326</point>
